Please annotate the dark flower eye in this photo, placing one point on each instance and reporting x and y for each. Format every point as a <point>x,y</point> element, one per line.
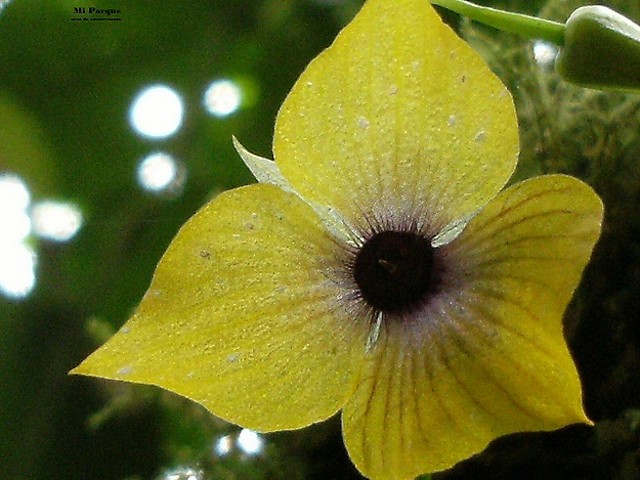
<point>394,270</point>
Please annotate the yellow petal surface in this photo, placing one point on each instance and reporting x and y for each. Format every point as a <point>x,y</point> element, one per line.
<point>487,356</point>
<point>242,316</point>
<point>398,116</point>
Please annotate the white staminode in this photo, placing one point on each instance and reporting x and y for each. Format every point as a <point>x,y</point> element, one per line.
<point>267,171</point>
<point>450,232</point>
<point>263,169</point>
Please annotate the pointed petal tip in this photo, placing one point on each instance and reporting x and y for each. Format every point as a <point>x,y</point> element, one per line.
<point>263,169</point>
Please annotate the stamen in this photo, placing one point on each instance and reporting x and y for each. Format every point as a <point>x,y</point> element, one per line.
<point>374,333</point>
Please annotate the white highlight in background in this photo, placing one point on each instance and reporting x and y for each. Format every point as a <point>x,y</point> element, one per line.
<point>544,53</point>
<point>14,194</point>
<point>17,270</point>
<point>223,446</point>
<point>156,112</point>
<point>182,473</point>
<point>17,259</point>
<point>250,442</point>
<point>57,221</point>
<point>158,172</point>
<point>222,98</point>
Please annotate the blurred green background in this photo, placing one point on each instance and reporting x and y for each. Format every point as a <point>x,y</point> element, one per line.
<point>67,90</point>
<point>96,178</point>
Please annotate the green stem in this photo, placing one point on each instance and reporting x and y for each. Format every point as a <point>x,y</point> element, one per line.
<point>508,21</point>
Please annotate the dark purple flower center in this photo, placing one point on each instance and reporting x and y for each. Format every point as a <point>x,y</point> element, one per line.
<point>394,270</point>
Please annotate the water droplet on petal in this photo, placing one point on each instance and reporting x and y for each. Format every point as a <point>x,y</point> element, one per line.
<point>363,122</point>
<point>480,137</point>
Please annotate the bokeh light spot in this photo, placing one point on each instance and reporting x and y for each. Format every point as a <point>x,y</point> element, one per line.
<point>14,194</point>
<point>159,172</point>
<point>182,473</point>
<point>15,224</point>
<point>57,221</point>
<point>17,270</point>
<point>222,98</point>
<point>17,259</point>
<point>250,442</point>
<point>544,53</point>
<point>156,112</point>
<point>223,446</point>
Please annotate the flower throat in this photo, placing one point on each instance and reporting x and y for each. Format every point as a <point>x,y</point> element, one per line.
<point>394,270</point>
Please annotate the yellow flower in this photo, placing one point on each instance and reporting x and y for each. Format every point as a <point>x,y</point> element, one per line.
<point>377,269</point>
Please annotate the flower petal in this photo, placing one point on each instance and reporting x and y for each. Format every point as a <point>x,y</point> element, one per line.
<point>243,316</point>
<point>399,115</point>
<point>487,356</point>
